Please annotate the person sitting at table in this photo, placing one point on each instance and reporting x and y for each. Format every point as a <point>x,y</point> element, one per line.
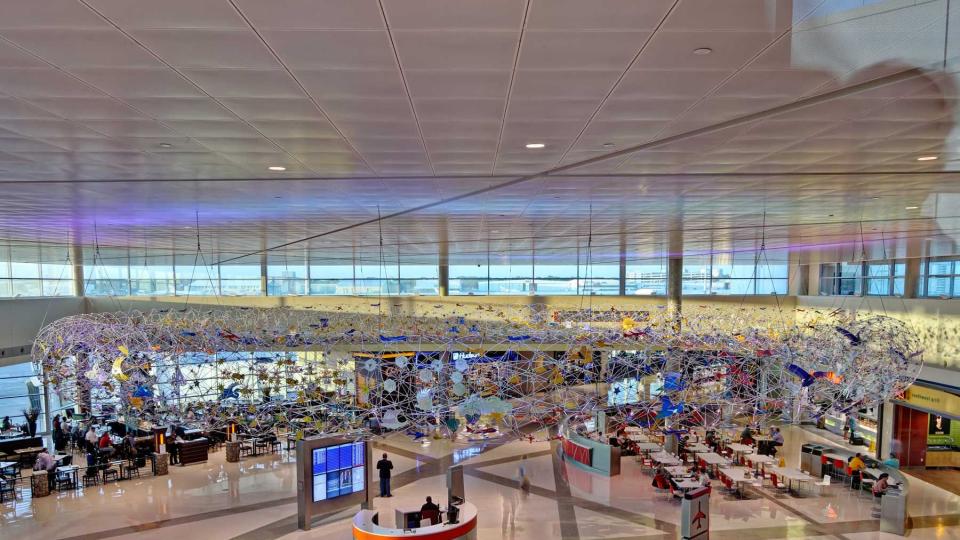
<point>91,436</point>
<point>881,485</point>
<point>660,479</point>
<point>430,511</point>
<point>746,436</point>
<point>45,462</point>
<point>105,445</point>
<point>776,440</point>
<point>892,461</point>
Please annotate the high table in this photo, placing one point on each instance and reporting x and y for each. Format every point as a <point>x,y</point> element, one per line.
<point>366,527</point>
<point>792,476</point>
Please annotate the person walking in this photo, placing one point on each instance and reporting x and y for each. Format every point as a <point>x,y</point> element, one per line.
<point>385,466</point>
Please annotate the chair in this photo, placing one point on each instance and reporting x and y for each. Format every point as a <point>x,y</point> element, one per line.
<point>133,468</point>
<point>823,483</point>
<point>7,486</point>
<point>674,494</point>
<point>866,484</point>
<point>91,477</point>
<point>64,480</point>
<point>110,472</point>
<point>432,516</point>
<point>776,484</point>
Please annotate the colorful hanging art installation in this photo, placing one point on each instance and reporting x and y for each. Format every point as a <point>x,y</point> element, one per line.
<point>472,369</point>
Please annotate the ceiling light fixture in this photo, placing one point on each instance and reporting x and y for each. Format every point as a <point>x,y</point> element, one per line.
<point>702,51</point>
<point>277,168</point>
<point>608,145</point>
<point>926,158</point>
<point>165,145</point>
<point>536,145</point>
<point>913,208</point>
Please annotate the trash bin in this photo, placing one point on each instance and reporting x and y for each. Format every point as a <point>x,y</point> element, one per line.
<point>806,457</point>
<point>816,460</point>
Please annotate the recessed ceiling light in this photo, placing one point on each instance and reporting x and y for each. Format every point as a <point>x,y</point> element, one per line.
<point>926,158</point>
<point>874,198</point>
<point>535,145</point>
<point>165,145</point>
<point>702,51</point>
<point>277,168</point>
<point>608,145</point>
<point>913,208</point>
<point>831,215</point>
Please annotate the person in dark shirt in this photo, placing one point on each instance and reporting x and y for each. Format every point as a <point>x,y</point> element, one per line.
<point>429,505</point>
<point>385,466</point>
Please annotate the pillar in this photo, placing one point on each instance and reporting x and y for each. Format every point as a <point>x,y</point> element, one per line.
<point>443,270</point>
<point>76,259</point>
<point>263,274</point>
<point>675,289</point>
<point>911,279</point>
<point>623,264</point>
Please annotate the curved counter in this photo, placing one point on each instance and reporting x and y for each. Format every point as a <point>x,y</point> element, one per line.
<point>364,527</point>
<point>587,453</point>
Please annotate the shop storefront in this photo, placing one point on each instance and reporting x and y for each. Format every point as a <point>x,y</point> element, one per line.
<point>926,428</point>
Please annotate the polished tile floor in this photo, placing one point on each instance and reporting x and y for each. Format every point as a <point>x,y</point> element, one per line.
<point>255,500</point>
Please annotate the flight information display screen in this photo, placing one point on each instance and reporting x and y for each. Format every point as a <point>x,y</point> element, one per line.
<point>338,470</point>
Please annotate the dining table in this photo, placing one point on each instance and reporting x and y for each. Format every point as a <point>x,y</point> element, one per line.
<point>698,448</point>
<point>71,470</point>
<point>686,484</point>
<point>712,458</point>
<point>791,476</point>
<point>664,458</point>
<point>649,447</point>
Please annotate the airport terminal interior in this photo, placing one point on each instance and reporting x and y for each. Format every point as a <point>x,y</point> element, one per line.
<point>479,269</point>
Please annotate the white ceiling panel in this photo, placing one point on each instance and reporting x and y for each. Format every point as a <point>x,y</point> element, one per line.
<point>273,108</point>
<point>313,14</point>
<point>332,49</point>
<point>70,48</point>
<point>229,83</point>
<point>460,50</point>
<point>438,109</point>
<point>91,108</point>
<point>292,129</point>
<point>139,82</point>
<point>191,48</point>
<point>443,83</point>
<point>450,15</point>
<point>68,14</point>
<point>188,109</point>
<point>564,83</point>
<point>596,15</point>
<point>353,83</point>
<point>772,16</point>
<point>13,108</point>
<point>204,14</point>
<point>668,49</point>
<point>43,82</point>
<point>586,51</point>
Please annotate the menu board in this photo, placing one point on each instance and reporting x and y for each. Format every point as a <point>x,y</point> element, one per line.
<point>338,470</point>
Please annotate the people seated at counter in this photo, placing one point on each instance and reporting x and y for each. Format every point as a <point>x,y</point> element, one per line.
<point>891,461</point>
<point>776,439</point>
<point>430,511</point>
<point>881,485</point>
<point>857,463</point>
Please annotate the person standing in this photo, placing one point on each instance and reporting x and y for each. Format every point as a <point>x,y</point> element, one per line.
<point>385,466</point>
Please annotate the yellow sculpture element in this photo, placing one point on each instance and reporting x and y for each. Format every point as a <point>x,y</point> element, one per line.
<point>117,370</point>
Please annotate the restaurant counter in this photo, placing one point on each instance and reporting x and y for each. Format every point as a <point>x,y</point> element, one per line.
<point>366,527</point>
<point>194,451</point>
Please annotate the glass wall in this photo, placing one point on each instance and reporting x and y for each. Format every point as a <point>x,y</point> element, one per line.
<point>32,271</point>
<point>872,278</point>
<point>941,277</point>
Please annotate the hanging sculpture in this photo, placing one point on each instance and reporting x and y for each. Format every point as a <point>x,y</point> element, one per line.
<point>482,368</point>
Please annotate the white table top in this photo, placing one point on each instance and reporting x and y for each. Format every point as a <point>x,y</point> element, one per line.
<point>698,448</point>
<point>686,484</point>
<point>633,429</point>
<point>792,474</point>
<point>638,437</point>
<point>6,464</point>
<point>737,447</point>
<point>677,470</point>
<point>712,458</point>
<point>873,473</point>
<point>649,447</point>
<point>760,458</point>
<point>665,458</point>
<point>835,456</point>
<point>737,474</point>
<point>68,468</point>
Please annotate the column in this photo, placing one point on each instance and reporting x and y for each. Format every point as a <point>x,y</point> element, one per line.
<point>76,259</point>
<point>911,280</point>
<point>623,264</point>
<point>443,263</point>
<point>263,274</point>
<point>675,289</point>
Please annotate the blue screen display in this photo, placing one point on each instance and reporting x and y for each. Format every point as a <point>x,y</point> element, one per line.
<point>338,470</point>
